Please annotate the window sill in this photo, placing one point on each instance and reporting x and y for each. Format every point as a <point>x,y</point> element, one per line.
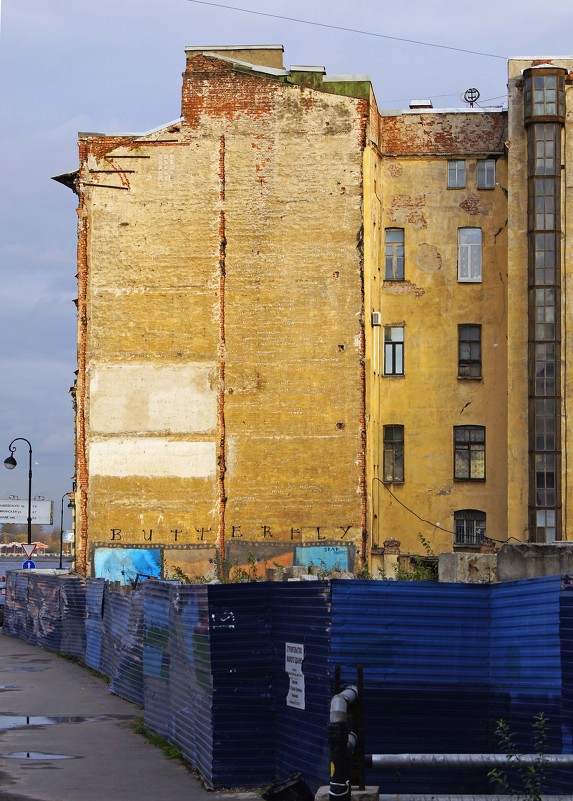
<point>393,375</point>
<point>470,378</point>
<point>470,480</point>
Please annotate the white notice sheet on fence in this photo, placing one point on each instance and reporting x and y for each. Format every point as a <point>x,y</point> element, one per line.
<point>294,658</point>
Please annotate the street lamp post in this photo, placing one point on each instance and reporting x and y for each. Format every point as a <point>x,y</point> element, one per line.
<point>10,463</point>
<point>70,506</point>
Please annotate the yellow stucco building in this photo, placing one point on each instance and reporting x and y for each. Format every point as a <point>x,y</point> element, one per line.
<point>308,329</point>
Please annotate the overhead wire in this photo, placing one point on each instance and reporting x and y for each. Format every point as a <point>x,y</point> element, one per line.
<point>345,29</point>
<point>429,522</point>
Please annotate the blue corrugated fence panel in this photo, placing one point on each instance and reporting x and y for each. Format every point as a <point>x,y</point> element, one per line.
<point>44,609</point>
<point>424,651</point>
<point>240,630</point>
<point>73,615</point>
<point>127,680</point>
<point>190,670</point>
<point>115,623</point>
<point>95,589</point>
<point>301,616</point>
<point>15,609</point>
<point>566,625</point>
<point>156,658</point>
<point>525,659</point>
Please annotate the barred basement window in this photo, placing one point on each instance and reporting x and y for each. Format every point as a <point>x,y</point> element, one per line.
<point>469,527</point>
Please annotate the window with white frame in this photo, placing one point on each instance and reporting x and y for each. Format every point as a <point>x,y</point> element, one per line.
<point>469,527</point>
<point>456,174</point>
<point>486,174</point>
<point>393,350</point>
<point>394,254</point>
<point>469,254</point>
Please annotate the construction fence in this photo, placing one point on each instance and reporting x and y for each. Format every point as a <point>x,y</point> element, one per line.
<point>239,676</point>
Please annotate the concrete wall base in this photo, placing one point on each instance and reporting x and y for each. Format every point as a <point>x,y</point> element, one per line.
<point>370,793</point>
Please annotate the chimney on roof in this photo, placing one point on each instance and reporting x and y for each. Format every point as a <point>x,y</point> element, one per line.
<point>423,103</point>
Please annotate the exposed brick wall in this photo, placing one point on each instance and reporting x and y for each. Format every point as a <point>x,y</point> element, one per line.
<point>227,246</point>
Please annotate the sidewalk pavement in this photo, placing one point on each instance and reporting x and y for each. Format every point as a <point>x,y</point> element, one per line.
<point>50,706</point>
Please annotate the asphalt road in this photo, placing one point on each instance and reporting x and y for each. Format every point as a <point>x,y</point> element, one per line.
<point>65,737</point>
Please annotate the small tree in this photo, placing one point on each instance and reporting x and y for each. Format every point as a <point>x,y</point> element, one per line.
<point>531,776</point>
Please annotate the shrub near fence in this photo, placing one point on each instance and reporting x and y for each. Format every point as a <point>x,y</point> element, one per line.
<point>441,664</point>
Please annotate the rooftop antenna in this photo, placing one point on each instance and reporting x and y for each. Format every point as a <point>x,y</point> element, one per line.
<point>471,96</point>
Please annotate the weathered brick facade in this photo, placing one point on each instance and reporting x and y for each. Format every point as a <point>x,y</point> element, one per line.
<point>306,327</point>
<point>220,392</point>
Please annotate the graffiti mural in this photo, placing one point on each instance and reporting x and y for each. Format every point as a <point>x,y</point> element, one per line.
<point>123,564</point>
<point>327,557</point>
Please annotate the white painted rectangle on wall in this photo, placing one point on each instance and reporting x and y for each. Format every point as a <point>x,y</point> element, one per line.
<point>154,457</point>
<point>149,398</point>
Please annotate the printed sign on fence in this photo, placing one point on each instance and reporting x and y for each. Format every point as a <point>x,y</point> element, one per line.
<point>294,658</point>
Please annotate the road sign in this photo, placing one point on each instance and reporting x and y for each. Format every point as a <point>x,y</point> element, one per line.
<point>16,511</point>
<point>28,549</point>
<point>29,565</point>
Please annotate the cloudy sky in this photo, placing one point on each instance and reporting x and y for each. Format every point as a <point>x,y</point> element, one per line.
<point>115,66</point>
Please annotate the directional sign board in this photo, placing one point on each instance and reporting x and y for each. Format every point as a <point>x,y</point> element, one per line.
<point>28,565</point>
<point>15,511</point>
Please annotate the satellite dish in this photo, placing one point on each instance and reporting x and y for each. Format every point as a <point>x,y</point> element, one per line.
<point>471,96</point>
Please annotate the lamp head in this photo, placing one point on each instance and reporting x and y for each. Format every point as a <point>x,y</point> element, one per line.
<point>10,463</point>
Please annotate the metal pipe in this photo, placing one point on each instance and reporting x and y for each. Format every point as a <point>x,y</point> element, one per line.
<point>466,760</point>
<point>341,743</point>
<point>457,797</point>
<point>340,703</point>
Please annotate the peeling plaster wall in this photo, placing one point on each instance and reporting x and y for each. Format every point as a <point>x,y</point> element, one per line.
<point>429,400</point>
<point>220,386</point>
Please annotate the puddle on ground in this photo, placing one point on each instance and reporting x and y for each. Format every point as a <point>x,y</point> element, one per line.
<point>23,656</point>
<point>21,668</point>
<point>35,755</point>
<point>22,721</point>
<point>5,688</point>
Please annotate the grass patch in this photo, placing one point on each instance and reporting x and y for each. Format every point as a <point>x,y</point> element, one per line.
<point>171,751</point>
<point>76,661</point>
